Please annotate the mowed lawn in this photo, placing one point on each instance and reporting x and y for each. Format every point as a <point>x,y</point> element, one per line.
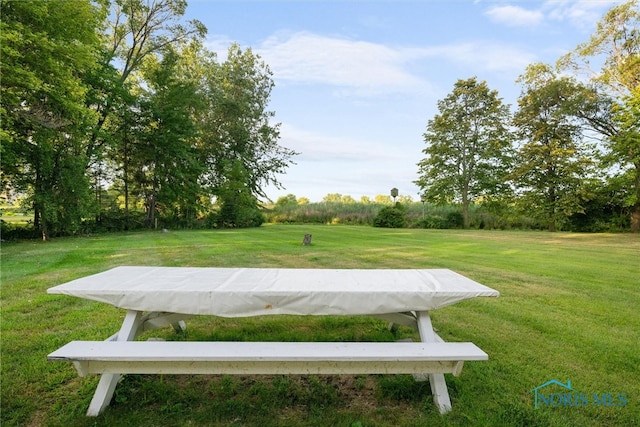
<point>568,311</point>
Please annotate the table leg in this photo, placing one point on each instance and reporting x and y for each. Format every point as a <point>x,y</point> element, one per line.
<point>438,385</point>
<point>107,385</point>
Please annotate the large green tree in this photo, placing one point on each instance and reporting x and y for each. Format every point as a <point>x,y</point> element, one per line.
<point>554,161</point>
<point>468,147</point>
<point>130,101</point>
<point>625,146</point>
<point>45,120</point>
<point>239,140</point>
<point>614,48</point>
<point>167,167</point>
<point>135,31</point>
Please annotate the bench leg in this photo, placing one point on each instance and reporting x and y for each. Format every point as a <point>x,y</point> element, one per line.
<point>103,394</point>
<point>107,385</point>
<point>438,385</point>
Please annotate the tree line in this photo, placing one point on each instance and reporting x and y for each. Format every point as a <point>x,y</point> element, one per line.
<point>571,148</point>
<point>405,212</point>
<point>568,158</point>
<point>114,115</point>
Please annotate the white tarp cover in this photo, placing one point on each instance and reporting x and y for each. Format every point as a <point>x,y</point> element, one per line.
<point>239,292</point>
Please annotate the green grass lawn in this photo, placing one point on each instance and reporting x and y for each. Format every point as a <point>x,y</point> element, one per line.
<point>568,310</point>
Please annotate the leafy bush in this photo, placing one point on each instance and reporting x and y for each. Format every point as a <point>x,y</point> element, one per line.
<point>391,217</point>
<point>455,220</point>
<point>10,231</point>
<point>432,221</point>
<point>238,208</point>
<point>115,220</point>
<point>244,217</point>
<point>322,213</point>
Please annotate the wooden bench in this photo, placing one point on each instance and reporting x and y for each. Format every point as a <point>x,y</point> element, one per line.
<point>177,357</point>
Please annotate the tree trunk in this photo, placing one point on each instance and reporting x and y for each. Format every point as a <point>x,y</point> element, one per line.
<point>151,213</point>
<point>635,218</point>
<point>39,220</point>
<point>465,206</point>
<point>126,205</point>
<point>553,204</point>
<point>45,232</point>
<point>635,213</point>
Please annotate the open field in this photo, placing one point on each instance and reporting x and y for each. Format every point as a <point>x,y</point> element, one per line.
<point>14,215</point>
<point>568,310</point>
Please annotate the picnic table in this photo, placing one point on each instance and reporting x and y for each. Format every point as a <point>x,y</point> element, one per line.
<point>161,296</point>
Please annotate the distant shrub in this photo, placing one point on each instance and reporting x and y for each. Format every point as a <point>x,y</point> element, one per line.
<point>10,231</point>
<point>454,220</point>
<point>391,217</point>
<point>432,221</point>
<point>241,218</point>
<point>322,213</point>
<point>115,220</point>
<point>502,216</point>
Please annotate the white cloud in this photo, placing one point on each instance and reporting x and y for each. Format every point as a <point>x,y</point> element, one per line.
<point>515,16</point>
<point>365,68</point>
<point>484,56</point>
<point>581,14</point>
<point>319,148</point>
<point>220,45</point>
<point>310,58</point>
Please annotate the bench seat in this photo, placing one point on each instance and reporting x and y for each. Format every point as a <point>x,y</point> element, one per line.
<point>224,357</point>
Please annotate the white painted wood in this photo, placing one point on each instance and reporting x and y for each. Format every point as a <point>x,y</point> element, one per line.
<point>431,358</point>
<point>425,327</point>
<point>258,367</point>
<point>106,386</point>
<point>266,351</point>
<point>241,292</point>
<point>436,380</point>
<point>161,357</point>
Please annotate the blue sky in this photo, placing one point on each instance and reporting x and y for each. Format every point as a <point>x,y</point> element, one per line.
<point>357,81</point>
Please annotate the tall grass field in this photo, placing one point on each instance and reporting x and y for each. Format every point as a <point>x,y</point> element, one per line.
<point>568,311</point>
